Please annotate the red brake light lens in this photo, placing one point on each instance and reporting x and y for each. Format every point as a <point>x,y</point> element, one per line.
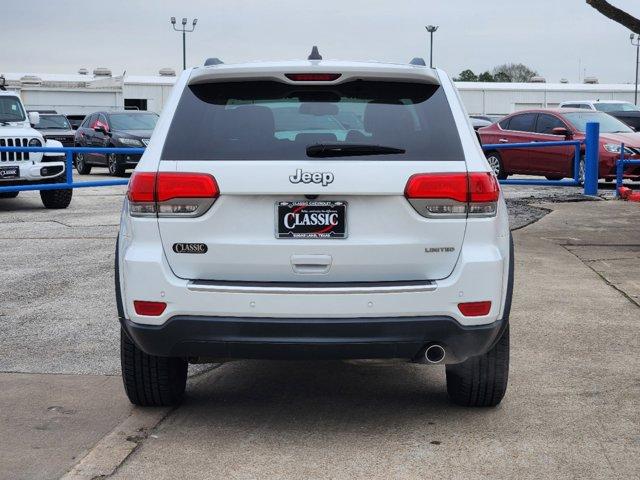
<point>452,186</point>
<point>150,309</point>
<point>171,194</point>
<point>453,195</point>
<point>185,185</point>
<point>142,187</point>
<point>313,77</point>
<point>483,187</point>
<point>474,309</point>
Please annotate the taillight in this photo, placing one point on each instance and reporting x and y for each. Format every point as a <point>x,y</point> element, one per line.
<point>171,194</point>
<point>313,77</point>
<point>474,309</point>
<point>453,195</point>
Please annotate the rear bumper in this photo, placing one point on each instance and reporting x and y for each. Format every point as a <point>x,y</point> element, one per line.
<point>312,338</point>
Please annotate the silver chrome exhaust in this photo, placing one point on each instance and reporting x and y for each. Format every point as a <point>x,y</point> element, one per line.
<point>434,353</point>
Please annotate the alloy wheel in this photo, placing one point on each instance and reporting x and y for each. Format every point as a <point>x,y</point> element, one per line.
<point>494,163</point>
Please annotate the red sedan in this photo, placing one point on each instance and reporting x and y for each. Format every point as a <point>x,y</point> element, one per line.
<point>553,125</point>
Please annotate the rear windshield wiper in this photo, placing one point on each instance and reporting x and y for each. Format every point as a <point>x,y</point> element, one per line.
<point>323,150</point>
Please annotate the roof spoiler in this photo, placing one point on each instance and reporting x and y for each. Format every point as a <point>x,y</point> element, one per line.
<point>212,61</point>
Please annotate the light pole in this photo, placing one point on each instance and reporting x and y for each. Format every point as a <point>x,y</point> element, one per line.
<point>431,29</point>
<point>184,31</point>
<point>635,41</point>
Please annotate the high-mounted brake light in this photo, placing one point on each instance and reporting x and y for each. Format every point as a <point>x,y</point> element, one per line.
<point>313,77</point>
<point>171,194</point>
<point>453,195</point>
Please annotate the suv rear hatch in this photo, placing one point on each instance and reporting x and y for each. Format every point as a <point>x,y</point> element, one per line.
<point>311,181</point>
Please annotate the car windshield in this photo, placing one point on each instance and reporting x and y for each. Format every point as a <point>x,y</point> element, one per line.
<point>608,124</point>
<point>616,107</point>
<point>11,110</point>
<point>266,120</point>
<point>133,121</point>
<point>53,122</point>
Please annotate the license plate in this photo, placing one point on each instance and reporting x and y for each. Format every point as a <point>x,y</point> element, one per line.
<point>9,172</point>
<point>326,220</point>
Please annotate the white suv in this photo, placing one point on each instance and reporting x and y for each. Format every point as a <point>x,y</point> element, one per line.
<point>28,168</point>
<point>314,210</point>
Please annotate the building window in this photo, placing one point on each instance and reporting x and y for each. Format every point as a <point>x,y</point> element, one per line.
<point>135,103</point>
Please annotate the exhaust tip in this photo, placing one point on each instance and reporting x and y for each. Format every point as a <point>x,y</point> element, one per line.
<point>434,353</point>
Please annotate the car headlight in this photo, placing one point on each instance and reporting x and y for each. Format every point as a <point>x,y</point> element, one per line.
<point>615,148</point>
<point>35,142</point>
<point>130,142</point>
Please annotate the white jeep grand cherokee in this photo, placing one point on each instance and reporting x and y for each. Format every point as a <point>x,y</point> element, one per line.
<point>314,210</point>
<point>28,168</point>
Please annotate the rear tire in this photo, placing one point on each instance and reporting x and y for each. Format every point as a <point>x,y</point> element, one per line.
<point>481,381</point>
<point>81,165</point>
<point>57,199</point>
<point>9,194</point>
<point>151,381</point>
<point>552,177</point>
<point>495,162</point>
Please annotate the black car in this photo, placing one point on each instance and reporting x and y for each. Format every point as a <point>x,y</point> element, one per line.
<point>113,129</point>
<point>54,126</point>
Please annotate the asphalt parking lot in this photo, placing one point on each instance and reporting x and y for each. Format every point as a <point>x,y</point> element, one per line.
<point>571,410</point>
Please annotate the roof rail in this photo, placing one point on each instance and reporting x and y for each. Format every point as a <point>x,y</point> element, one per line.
<point>212,61</point>
<point>315,54</point>
<point>418,61</point>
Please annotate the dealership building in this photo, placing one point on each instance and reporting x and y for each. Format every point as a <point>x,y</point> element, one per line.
<point>86,92</point>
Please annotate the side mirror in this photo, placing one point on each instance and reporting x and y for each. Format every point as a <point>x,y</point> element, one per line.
<point>100,129</point>
<point>34,118</point>
<point>562,131</point>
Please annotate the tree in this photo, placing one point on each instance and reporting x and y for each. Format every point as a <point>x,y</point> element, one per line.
<point>515,72</point>
<point>501,77</point>
<point>467,76</point>
<point>616,14</point>
<point>486,77</point>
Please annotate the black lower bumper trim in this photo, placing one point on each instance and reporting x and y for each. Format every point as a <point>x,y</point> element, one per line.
<point>305,338</point>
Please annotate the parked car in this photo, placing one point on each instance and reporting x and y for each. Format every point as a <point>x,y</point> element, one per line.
<point>28,168</point>
<point>113,129</point>
<point>244,237</point>
<point>56,127</point>
<point>552,125</point>
<point>624,111</point>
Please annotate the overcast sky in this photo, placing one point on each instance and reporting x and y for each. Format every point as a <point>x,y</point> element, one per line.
<point>554,37</point>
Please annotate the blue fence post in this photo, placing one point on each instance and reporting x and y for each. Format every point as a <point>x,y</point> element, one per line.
<point>592,159</point>
<point>619,171</point>
<point>68,160</point>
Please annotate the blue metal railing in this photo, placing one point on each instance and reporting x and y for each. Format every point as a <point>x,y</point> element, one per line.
<point>69,183</point>
<point>620,164</point>
<point>592,152</point>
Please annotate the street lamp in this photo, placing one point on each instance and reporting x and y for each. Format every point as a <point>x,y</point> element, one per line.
<point>635,41</point>
<point>184,31</point>
<point>431,29</point>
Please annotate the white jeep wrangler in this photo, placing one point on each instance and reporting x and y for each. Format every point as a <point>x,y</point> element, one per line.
<point>26,168</point>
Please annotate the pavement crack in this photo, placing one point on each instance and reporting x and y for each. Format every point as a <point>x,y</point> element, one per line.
<point>604,279</point>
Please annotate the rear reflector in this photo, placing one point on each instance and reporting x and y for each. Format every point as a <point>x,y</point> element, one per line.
<point>171,194</point>
<point>474,309</point>
<point>453,194</point>
<point>149,309</point>
<point>313,77</point>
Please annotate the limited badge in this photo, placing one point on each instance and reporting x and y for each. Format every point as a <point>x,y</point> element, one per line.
<point>190,248</point>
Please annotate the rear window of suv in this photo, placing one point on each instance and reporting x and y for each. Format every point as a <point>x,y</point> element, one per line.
<point>266,120</point>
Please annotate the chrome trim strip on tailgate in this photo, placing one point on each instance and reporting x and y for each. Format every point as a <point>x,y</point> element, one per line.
<point>315,288</point>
